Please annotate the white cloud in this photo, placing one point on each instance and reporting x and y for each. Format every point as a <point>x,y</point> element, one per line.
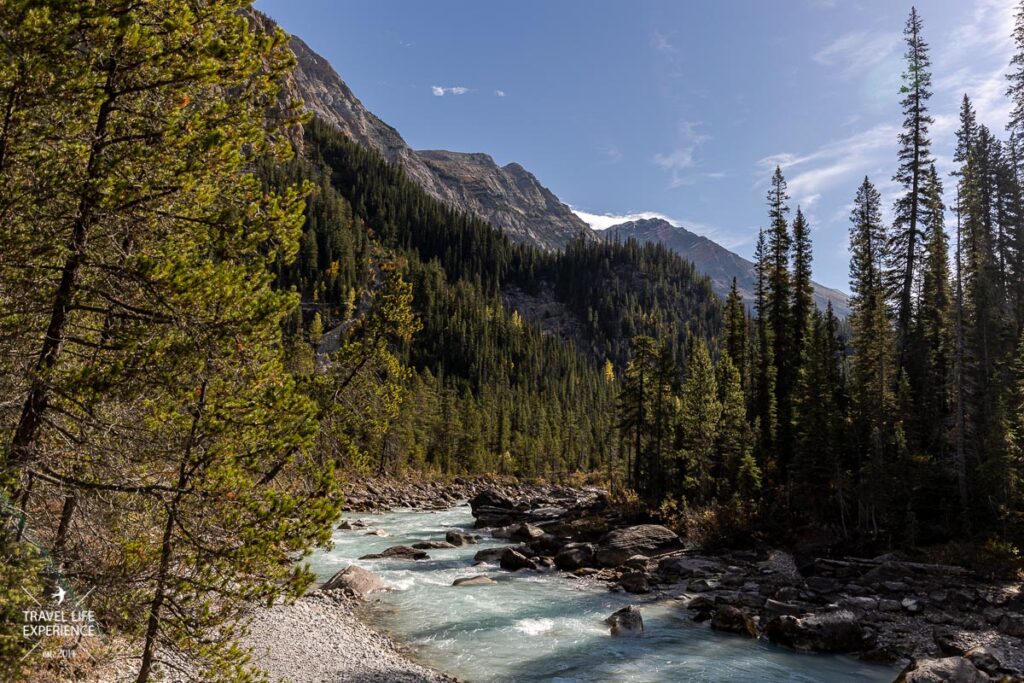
<point>855,53</point>
<point>680,159</point>
<point>836,165</point>
<point>990,30</point>
<point>499,93</point>
<point>440,91</point>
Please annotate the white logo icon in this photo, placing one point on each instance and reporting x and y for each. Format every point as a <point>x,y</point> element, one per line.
<point>59,595</point>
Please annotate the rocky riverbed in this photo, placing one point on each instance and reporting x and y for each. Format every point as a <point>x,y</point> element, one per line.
<point>940,621</point>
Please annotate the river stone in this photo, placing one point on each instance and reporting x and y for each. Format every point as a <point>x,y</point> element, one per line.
<point>513,560</point>
<point>732,620</point>
<point>574,555</point>
<point>488,555</point>
<point>479,580</point>
<point>527,532</point>
<point>432,545</point>
<point>626,622</point>
<point>402,552</point>
<point>837,631</point>
<point>457,538</point>
<point>617,546</point>
<point>635,582</point>
<point>355,579</point>
<point>944,670</point>
<point>377,532</point>
<point>689,567</point>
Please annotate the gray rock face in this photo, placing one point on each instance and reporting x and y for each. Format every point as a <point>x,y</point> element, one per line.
<point>509,197</point>
<point>626,622</point>
<point>618,546</point>
<point>356,580</point>
<point>432,545</point>
<point>714,260</point>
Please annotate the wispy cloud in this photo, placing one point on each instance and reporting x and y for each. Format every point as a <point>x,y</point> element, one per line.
<point>855,53</point>
<point>499,93</point>
<point>835,165</point>
<point>679,160</point>
<point>990,30</point>
<point>441,91</point>
<point>673,56</point>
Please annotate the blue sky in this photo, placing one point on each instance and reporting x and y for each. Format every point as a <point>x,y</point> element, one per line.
<point>680,109</point>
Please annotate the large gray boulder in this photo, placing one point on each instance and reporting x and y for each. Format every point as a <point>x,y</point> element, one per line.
<point>838,631</point>
<point>944,670</point>
<point>617,546</point>
<point>513,560</point>
<point>398,552</point>
<point>480,580</point>
<point>356,580</point>
<point>575,555</point>
<point>732,620</point>
<point>626,622</point>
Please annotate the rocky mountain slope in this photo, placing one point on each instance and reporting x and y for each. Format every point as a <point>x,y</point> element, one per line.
<point>509,197</point>
<point>714,260</point>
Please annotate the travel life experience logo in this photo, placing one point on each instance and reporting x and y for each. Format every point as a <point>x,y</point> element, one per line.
<point>58,618</point>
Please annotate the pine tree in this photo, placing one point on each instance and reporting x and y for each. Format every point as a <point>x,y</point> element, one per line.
<point>803,290</point>
<point>699,418</point>
<point>735,330</point>
<point>933,333</point>
<point>634,401</point>
<point>873,373</point>
<point>779,302</point>
<point>764,386</point>
<point>734,436</point>
<point>905,243</point>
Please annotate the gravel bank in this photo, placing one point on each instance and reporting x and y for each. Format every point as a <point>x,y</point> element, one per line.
<point>319,639</point>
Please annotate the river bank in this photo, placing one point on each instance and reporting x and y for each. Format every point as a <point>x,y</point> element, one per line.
<point>879,609</point>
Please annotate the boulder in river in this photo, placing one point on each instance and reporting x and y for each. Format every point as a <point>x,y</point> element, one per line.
<point>837,631</point>
<point>944,670</point>
<point>432,545</point>
<point>398,552</point>
<point>617,546</point>
<point>488,555</point>
<point>513,560</point>
<point>732,620</point>
<point>574,555</point>
<point>356,580</point>
<point>457,538</point>
<point>626,622</point>
<point>635,582</point>
<point>527,532</point>
<point>479,580</point>
<point>377,532</point>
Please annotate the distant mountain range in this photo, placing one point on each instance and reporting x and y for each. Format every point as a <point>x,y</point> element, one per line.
<point>509,197</point>
<point>714,260</point>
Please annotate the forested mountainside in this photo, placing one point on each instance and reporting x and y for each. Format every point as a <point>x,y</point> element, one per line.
<point>495,388</point>
<point>509,197</point>
<point>715,261</point>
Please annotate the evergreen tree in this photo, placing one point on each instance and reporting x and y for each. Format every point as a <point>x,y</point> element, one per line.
<point>734,435</point>
<point>699,418</point>
<point>933,335</point>
<point>779,303</point>
<point>803,290</point>
<point>905,243</point>
<point>872,375</point>
<point>735,330</point>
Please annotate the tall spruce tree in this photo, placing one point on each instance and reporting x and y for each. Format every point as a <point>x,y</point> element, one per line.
<point>803,290</point>
<point>905,242</point>
<point>779,308</point>
<point>873,371</point>
<point>735,330</point>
